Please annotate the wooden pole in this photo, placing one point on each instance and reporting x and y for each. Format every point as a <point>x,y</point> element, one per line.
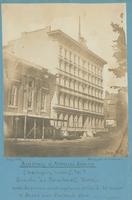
<point>16,126</point>
<point>25,126</point>
<point>34,128</point>
<point>43,131</point>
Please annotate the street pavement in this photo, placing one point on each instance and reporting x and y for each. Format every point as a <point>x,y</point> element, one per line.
<point>109,144</point>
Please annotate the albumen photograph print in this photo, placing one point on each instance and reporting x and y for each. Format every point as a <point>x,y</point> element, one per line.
<point>65,80</point>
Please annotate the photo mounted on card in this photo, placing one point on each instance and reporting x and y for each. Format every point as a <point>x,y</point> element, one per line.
<point>65,80</point>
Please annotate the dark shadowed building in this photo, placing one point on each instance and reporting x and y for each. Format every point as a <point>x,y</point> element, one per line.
<point>28,92</point>
<point>115,108</point>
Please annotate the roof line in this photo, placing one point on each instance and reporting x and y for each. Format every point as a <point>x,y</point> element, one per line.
<point>26,61</point>
<point>77,43</point>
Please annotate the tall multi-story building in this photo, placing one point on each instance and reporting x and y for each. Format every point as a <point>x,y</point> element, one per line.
<point>78,97</point>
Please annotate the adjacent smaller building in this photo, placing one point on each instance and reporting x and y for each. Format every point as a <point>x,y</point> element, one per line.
<point>110,109</point>
<point>28,92</point>
<point>116,108</point>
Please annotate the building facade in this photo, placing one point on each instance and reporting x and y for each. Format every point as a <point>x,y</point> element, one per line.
<point>78,98</point>
<point>110,109</point>
<point>79,85</point>
<point>28,91</point>
<point>116,108</point>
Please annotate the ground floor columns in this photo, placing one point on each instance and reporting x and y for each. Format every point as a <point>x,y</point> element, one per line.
<point>85,122</point>
<point>75,122</point>
<point>81,122</point>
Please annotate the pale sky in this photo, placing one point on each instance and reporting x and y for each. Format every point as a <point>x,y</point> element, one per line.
<point>95,25</point>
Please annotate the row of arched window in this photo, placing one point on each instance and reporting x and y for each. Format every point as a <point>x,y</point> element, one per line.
<point>79,121</point>
<point>80,72</point>
<point>75,58</point>
<point>79,86</point>
<point>78,103</point>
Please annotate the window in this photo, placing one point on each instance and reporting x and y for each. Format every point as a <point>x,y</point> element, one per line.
<point>43,101</point>
<point>90,106</point>
<point>96,108</point>
<point>76,85</point>
<point>88,66</point>
<point>72,69</point>
<point>61,99</point>
<point>67,83</point>
<point>65,53</point>
<point>85,105</point>
<point>75,58</point>
<point>60,64</point>
<point>89,90</point>
<point>92,91</point>
<point>85,75</point>
<point>76,71</point>
<point>101,82</point>
<point>72,84</point>
<point>62,80</point>
<point>79,72</point>
<point>85,89</point>
<point>75,121</point>
<point>67,100</point>
<point>89,78</point>
<point>30,94</point>
<point>95,70</point>
<point>70,55</point>
<point>97,93</point>
<point>80,88</point>
<point>13,96</point>
<point>57,79</point>
<point>80,104</point>
<point>66,67</point>
<point>76,103</point>
<point>78,60</point>
<point>71,102</point>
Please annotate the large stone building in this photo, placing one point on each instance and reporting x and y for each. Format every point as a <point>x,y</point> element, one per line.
<point>78,97</point>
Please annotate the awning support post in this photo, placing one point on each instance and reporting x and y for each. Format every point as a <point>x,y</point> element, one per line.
<point>34,128</point>
<point>25,126</point>
<point>43,131</point>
